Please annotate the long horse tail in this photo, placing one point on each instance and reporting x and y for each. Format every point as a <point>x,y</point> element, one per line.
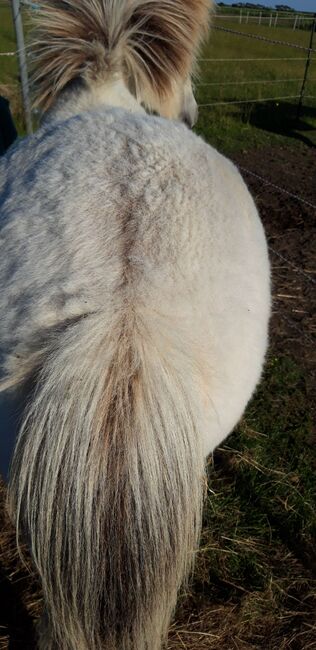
<point>106,484</point>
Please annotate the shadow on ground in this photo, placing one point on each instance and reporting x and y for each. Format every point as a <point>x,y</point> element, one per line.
<point>281,118</point>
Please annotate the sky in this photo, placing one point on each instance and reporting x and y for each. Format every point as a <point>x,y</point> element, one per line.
<point>299,5</point>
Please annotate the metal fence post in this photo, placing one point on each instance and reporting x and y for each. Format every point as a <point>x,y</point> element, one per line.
<point>308,60</point>
<point>17,20</point>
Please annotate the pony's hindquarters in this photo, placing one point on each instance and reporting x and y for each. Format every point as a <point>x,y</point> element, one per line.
<point>163,308</point>
<point>106,485</point>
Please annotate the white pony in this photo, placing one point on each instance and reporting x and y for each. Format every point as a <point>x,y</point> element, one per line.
<point>134,308</point>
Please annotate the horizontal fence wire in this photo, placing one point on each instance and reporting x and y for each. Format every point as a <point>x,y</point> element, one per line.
<point>254,101</point>
<point>241,60</point>
<point>247,83</point>
<point>282,190</point>
<point>277,187</point>
<point>292,266</point>
<point>291,58</point>
<point>264,38</point>
<point>292,323</point>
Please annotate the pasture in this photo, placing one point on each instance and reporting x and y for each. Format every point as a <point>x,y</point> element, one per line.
<point>247,69</point>
<point>255,580</point>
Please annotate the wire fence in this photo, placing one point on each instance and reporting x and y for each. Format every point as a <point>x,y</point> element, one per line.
<point>239,15</point>
<point>250,83</point>
<point>278,58</point>
<point>301,95</point>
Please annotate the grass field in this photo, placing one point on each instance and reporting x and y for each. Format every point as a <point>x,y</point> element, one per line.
<point>231,127</point>
<point>255,581</point>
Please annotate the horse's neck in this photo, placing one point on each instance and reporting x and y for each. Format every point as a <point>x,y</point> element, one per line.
<point>81,98</point>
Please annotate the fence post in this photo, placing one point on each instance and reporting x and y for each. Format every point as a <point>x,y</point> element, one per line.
<point>295,22</point>
<point>260,17</point>
<point>18,26</point>
<point>240,16</point>
<point>271,16</point>
<point>308,60</point>
<point>247,21</point>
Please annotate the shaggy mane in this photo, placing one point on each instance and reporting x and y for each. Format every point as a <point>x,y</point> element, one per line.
<point>153,42</point>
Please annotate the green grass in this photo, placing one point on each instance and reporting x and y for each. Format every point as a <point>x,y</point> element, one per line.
<point>9,71</point>
<point>255,124</point>
<point>255,571</point>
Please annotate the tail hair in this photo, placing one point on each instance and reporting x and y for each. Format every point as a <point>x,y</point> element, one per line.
<point>107,487</point>
<point>152,42</point>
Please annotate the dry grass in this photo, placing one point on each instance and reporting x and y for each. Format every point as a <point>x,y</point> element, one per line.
<point>255,581</point>
<point>20,595</point>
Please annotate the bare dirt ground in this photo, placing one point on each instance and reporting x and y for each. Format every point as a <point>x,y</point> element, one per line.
<point>290,226</point>
<point>291,231</point>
